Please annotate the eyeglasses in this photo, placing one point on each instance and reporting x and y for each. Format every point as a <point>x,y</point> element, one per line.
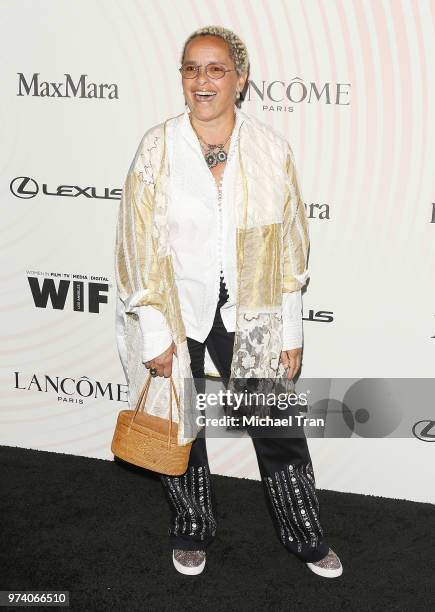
<point>214,71</point>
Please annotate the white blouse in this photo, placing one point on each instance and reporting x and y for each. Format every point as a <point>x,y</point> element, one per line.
<point>202,234</point>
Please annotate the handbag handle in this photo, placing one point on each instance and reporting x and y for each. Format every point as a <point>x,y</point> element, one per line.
<point>142,399</point>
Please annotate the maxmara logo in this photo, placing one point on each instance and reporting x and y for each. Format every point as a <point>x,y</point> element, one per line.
<point>70,87</point>
<point>317,211</point>
<point>298,91</point>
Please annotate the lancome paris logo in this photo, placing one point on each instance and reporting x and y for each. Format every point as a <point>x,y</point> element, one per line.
<point>55,290</point>
<point>25,187</point>
<point>276,94</point>
<point>69,389</point>
<point>70,87</point>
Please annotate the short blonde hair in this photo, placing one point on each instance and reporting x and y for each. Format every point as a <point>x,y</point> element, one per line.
<point>238,50</point>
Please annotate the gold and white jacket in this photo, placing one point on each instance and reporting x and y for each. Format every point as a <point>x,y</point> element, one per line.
<point>272,249</point>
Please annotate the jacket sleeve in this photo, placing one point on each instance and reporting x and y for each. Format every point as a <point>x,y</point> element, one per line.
<point>292,320</point>
<point>295,255</point>
<point>295,231</point>
<point>157,336</point>
<point>139,283</point>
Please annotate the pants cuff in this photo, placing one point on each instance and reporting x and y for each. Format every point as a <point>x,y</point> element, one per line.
<point>311,555</point>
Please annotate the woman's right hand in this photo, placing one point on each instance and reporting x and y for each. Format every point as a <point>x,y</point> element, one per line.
<point>163,363</point>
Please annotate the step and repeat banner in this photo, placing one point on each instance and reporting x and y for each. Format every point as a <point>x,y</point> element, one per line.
<point>350,85</point>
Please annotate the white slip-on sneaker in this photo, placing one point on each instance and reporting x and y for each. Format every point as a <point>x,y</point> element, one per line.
<point>328,567</point>
<point>189,562</point>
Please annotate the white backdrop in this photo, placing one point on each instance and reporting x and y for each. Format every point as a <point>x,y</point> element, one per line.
<point>365,162</point>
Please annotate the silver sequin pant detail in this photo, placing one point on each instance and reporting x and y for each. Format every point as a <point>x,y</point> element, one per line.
<point>284,463</point>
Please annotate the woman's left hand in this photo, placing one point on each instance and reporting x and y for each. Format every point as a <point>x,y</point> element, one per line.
<point>292,360</point>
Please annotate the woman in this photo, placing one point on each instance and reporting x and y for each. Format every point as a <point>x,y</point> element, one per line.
<point>211,254</point>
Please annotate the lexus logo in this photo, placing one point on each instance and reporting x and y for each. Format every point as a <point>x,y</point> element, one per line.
<point>424,430</point>
<point>24,187</point>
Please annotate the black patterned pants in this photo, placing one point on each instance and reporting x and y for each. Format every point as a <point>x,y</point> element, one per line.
<point>284,463</point>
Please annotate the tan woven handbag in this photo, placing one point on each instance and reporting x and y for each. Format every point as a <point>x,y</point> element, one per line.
<point>150,441</point>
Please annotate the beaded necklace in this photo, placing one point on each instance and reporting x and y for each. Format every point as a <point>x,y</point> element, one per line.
<point>211,155</point>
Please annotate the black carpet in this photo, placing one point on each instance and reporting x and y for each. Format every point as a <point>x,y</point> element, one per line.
<point>99,530</point>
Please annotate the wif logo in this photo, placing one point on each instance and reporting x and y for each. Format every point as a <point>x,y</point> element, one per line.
<point>85,296</point>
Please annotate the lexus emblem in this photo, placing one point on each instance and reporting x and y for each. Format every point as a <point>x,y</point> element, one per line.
<point>424,430</point>
<point>24,187</point>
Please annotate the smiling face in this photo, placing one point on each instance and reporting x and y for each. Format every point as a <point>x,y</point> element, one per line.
<point>204,50</point>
